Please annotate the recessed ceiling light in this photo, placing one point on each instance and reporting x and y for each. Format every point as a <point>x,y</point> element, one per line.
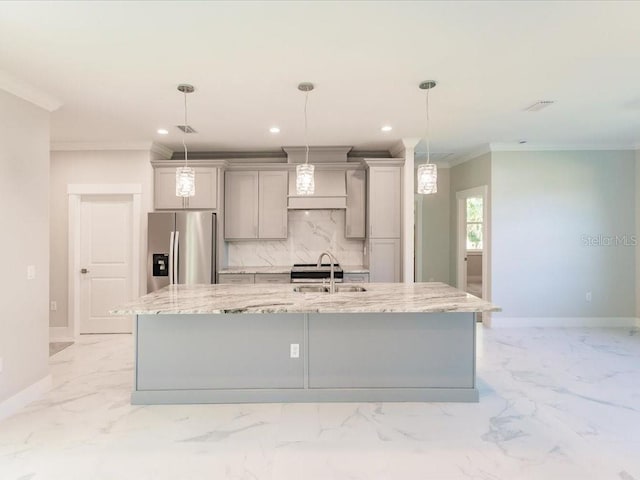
<point>274,130</point>
<point>387,128</point>
<point>163,131</point>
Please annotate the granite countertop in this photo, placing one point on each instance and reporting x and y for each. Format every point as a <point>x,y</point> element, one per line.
<point>285,269</point>
<point>280,298</point>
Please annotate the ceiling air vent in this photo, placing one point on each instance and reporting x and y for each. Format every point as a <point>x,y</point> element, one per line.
<point>186,128</point>
<point>536,107</point>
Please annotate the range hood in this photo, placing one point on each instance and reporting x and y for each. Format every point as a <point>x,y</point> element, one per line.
<point>330,191</point>
<point>330,178</point>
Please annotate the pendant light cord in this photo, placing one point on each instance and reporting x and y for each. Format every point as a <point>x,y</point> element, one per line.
<point>184,132</point>
<point>428,132</point>
<point>306,141</point>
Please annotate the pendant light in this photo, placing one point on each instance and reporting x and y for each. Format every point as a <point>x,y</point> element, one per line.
<point>185,176</point>
<point>428,172</point>
<point>304,172</point>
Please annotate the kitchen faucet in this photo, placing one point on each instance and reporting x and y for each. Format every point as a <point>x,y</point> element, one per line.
<point>332,259</point>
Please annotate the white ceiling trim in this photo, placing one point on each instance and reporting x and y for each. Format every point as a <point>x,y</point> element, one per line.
<point>28,92</point>
<point>533,147</point>
<point>93,146</point>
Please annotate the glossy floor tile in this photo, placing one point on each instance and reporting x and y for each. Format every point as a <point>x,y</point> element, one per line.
<point>555,404</point>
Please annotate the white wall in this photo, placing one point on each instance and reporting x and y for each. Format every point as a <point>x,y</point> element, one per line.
<point>637,205</point>
<point>24,209</point>
<point>435,224</point>
<point>91,167</point>
<point>543,203</point>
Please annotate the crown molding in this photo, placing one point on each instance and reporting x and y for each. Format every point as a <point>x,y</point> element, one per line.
<point>92,146</point>
<point>548,147</point>
<point>28,92</point>
<point>398,149</point>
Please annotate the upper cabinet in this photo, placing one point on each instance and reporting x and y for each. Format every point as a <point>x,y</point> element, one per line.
<point>384,201</point>
<point>165,190</point>
<point>255,205</point>
<point>355,218</point>
<point>272,208</point>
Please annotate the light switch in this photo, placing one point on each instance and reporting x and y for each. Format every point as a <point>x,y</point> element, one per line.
<point>31,272</point>
<point>295,350</point>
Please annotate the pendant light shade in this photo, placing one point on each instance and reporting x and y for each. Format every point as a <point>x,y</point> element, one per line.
<point>185,176</point>
<point>427,178</point>
<point>185,182</point>
<point>304,179</point>
<point>428,172</point>
<point>305,184</point>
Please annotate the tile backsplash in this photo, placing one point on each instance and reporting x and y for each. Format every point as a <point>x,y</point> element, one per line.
<point>310,233</point>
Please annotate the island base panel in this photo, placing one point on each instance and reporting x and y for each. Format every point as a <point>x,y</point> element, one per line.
<point>245,358</point>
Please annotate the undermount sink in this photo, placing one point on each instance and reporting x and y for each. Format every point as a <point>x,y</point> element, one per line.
<point>311,289</point>
<point>325,289</point>
<point>350,288</point>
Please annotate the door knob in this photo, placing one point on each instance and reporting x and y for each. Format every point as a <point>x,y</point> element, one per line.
<point>84,270</point>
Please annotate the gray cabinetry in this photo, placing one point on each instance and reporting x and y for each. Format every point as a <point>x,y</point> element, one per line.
<point>272,207</point>
<point>219,351</point>
<point>240,205</point>
<point>165,189</point>
<point>273,278</point>
<point>384,214</point>
<point>384,202</point>
<point>356,204</point>
<point>255,205</point>
<point>384,259</point>
<point>236,278</point>
<point>355,278</point>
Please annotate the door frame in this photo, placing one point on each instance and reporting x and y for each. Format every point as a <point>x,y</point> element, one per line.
<point>461,275</point>
<point>75,193</point>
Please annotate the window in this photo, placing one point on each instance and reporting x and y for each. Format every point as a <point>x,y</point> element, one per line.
<point>474,223</point>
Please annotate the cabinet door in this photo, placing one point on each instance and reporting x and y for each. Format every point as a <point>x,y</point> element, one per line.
<point>273,278</point>
<point>355,278</point>
<point>241,205</point>
<point>384,260</point>
<point>272,217</point>
<point>384,202</point>
<point>206,189</point>
<point>164,187</point>
<point>356,201</point>
<point>236,278</point>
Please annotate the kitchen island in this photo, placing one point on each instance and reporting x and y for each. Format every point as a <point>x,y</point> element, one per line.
<point>268,343</point>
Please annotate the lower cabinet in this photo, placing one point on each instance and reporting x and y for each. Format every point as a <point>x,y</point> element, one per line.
<point>384,260</point>
<point>355,278</point>
<point>273,278</point>
<point>236,278</point>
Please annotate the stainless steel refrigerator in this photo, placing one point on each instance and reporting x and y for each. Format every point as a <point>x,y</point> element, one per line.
<point>181,248</point>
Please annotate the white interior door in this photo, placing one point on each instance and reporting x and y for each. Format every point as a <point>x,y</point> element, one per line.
<point>106,251</point>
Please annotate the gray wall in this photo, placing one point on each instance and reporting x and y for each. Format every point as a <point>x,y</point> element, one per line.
<point>637,218</point>
<point>543,205</point>
<point>473,173</point>
<point>24,208</point>
<point>91,167</point>
<point>435,231</point>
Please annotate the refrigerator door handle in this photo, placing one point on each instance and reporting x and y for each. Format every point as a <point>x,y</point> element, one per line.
<point>171,241</point>
<point>176,244</point>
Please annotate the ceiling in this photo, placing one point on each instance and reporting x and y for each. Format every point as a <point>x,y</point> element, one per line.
<point>115,67</point>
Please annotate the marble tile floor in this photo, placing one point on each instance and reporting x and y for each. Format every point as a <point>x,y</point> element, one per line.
<point>555,404</point>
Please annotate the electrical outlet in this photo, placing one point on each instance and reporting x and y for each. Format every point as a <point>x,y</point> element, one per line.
<point>31,272</point>
<point>295,350</point>
<point>588,297</point>
<point>54,305</point>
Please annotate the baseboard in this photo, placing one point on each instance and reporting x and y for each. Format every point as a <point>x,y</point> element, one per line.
<point>24,397</point>
<point>60,334</point>
<point>563,322</point>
